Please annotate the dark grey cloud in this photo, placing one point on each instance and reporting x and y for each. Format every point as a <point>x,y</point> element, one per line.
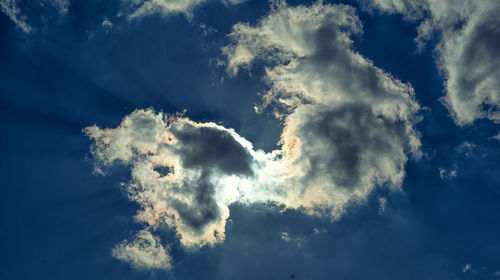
<point>203,208</point>
<point>352,139</point>
<point>210,148</point>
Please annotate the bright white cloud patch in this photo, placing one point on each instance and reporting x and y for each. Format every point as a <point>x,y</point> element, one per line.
<point>348,128</point>
<point>469,55</point>
<point>148,7</point>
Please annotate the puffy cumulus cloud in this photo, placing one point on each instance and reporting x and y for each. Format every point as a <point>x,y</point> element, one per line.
<point>141,8</point>
<point>145,251</point>
<point>469,55</point>
<point>348,125</point>
<point>184,174</point>
<point>348,128</point>
<point>11,9</point>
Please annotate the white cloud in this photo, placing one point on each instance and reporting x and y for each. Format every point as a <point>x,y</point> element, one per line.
<point>285,236</point>
<point>10,8</point>
<point>447,174</point>
<point>145,251</point>
<point>106,23</point>
<point>141,8</point>
<point>496,137</point>
<point>348,124</point>
<point>468,51</point>
<point>348,128</point>
<point>467,267</point>
<point>205,164</point>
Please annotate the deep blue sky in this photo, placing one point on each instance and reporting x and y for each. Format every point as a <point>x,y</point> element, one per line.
<point>59,221</point>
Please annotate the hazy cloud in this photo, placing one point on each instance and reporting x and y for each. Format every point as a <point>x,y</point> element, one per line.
<point>465,148</point>
<point>61,6</point>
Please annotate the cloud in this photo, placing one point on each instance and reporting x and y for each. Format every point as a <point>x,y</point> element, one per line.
<point>10,8</point>
<point>382,205</point>
<point>468,51</point>
<point>465,148</point>
<point>467,267</point>
<point>184,174</point>
<point>447,174</point>
<point>496,137</point>
<point>61,6</point>
<point>348,128</point>
<point>145,251</point>
<point>348,124</point>
<point>141,8</point>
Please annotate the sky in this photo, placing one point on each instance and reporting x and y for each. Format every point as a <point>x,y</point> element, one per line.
<point>233,139</point>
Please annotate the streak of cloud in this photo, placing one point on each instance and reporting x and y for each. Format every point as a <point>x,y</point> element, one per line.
<point>142,8</point>
<point>11,9</point>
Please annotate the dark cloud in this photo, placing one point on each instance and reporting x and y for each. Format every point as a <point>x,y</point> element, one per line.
<point>203,208</point>
<point>210,148</point>
<point>351,140</point>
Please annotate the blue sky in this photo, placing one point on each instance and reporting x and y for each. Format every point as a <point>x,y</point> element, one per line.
<point>383,185</point>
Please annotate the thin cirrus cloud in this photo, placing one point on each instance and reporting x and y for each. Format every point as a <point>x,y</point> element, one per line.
<point>11,9</point>
<point>348,128</point>
<point>468,51</point>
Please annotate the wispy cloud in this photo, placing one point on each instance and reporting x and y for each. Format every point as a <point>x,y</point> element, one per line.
<point>11,9</point>
<point>141,8</point>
